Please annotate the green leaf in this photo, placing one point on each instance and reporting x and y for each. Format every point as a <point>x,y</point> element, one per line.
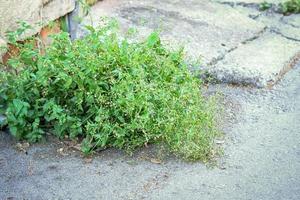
<point>153,39</point>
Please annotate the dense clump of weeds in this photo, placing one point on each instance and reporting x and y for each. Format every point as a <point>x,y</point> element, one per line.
<point>290,6</point>
<point>287,7</point>
<point>264,6</point>
<point>108,92</point>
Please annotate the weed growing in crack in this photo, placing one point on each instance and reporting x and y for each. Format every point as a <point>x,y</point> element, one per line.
<point>265,6</point>
<point>291,6</point>
<point>286,8</point>
<point>108,92</point>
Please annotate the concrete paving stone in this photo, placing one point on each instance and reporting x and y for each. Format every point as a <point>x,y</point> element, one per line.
<point>261,62</point>
<point>288,32</point>
<point>248,11</point>
<point>293,20</point>
<point>231,45</point>
<point>250,1</point>
<point>276,23</point>
<point>207,30</point>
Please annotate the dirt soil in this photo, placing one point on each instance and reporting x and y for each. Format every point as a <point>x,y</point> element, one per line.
<point>261,159</point>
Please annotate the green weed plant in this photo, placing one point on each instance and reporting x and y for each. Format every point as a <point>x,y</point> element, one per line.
<point>105,91</point>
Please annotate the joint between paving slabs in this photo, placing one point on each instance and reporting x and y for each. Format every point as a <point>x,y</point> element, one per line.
<point>282,35</point>
<point>287,23</point>
<point>221,57</point>
<point>273,7</point>
<point>243,4</point>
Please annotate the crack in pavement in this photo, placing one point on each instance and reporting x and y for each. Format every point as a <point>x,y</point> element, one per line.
<point>287,23</point>
<point>273,7</point>
<point>273,30</point>
<point>221,57</point>
<point>243,4</point>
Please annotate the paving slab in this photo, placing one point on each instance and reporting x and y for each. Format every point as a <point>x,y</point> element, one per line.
<point>231,45</point>
<point>207,30</point>
<point>293,20</point>
<point>277,23</point>
<point>251,12</point>
<point>250,1</point>
<point>261,62</point>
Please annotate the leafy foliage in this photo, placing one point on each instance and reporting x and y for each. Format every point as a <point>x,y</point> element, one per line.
<point>290,6</point>
<point>109,92</point>
<point>264,6</point>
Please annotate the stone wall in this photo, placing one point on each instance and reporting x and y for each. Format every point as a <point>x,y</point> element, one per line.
<point>36,12</point>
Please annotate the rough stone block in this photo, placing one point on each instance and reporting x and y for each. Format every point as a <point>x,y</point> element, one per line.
<point>293,20</point>
<point>261,62</point>
<point>250,1</point>
<point>35,12</point>
<point>276,24</point>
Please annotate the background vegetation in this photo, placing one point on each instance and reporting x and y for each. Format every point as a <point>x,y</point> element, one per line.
<point>288,7</point>
<point>291,6</point>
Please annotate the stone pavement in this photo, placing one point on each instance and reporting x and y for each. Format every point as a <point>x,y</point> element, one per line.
<point>250,1</point>
<point>235,42</point>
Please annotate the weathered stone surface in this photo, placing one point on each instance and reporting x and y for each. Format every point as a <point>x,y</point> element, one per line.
<point>251,12</point>
<point>233,47</point>
<point>260,62</point>
<point>33,12</point>
<point>207,30</point>
<point>289,32</point>
<point>250,1</point>
<point>276,23</point>
<point>293,20</point>
<point>57,8</point>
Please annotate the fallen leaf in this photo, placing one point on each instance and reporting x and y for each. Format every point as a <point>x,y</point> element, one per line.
<point>155,161</point>
<point>22,146</point>
<point>88,160</point>
<point>26,145</point>
<point>220,142</point>
<point>222,167</point>
<point>19,145</point>
<point>77,147</point>
<point>61,152</point>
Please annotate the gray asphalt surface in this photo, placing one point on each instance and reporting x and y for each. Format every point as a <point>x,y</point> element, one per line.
<point>261,159</point>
